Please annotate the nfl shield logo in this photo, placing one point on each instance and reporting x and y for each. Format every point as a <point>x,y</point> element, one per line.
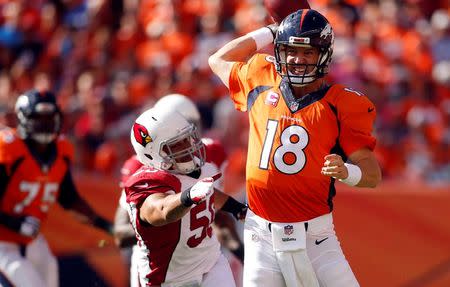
<point>293,106</point>
<point>288,229</point>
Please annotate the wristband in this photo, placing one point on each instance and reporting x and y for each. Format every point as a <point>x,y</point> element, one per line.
<point>186,199</point>
<point>239,210</point>
<point>354,175</point>
<point>262,37</point>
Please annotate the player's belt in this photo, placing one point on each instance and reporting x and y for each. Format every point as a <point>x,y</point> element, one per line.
<point>270,226</point>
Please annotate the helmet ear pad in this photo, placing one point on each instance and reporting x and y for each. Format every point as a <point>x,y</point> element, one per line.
<point>304,28</point>
<point>39,117</point>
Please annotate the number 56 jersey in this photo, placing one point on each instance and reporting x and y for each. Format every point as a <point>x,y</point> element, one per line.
<point>289,138</point>
<point>180,251</point>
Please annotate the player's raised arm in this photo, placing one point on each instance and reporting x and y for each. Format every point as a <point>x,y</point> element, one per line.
<point>240,50</point>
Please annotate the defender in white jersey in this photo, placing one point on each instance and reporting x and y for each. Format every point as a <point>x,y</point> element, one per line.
<point>172,204</point>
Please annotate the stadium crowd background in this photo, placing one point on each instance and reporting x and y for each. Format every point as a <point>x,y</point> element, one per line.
<point>109,60</point>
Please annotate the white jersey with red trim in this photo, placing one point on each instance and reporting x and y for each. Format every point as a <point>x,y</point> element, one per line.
<point>181,251</point>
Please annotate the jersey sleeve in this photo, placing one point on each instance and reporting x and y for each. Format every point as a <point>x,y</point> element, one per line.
<point>66,148</point>
<point>356,114</point>
<point>10,148</point>
<point>144,183</point>
<point>244,77</point>
<point>130,166</point>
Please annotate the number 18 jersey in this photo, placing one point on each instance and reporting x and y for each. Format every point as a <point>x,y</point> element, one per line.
<point>289,138</point>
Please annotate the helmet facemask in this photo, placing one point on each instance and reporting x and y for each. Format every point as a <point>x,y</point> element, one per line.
<point>316,71</point>
<point>41,123</point>
<point>184,153</point>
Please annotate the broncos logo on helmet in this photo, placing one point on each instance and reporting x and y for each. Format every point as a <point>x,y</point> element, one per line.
<point>141,134</point>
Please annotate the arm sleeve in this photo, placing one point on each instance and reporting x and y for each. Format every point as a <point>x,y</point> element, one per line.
<point>3,180</point>
<point>137,194</point>
<point>69,194</point>
<point>356,115</point>
<point>244,77</point>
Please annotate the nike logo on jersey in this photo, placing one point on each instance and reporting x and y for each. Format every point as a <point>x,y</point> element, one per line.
<point>320,241</point>
<point>142,185</point>
<point>370,109</point>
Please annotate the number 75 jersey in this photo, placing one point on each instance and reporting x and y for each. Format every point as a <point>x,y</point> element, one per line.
<point>289,138</point>
<point>32,187</point>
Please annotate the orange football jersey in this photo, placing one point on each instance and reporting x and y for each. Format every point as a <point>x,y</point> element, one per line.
<point>289,138</point>
<point>32,187</point>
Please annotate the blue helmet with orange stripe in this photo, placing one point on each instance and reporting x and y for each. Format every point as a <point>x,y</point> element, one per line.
<point>39,117</point>
<point>304,28</point>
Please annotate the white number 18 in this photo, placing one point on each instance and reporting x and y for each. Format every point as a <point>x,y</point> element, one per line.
<point>294,140</point>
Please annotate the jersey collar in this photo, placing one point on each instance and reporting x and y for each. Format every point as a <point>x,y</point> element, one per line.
<point>295,104</point>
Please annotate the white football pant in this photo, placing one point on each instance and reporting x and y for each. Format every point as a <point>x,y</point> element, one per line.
<point>37,267</point>
<point>220,275</point>
<point>262,267</point>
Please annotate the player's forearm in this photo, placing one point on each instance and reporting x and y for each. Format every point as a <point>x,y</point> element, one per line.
<point>371,173</point>
<point>25,225</point>
<point>11,222</point>
<point>85,214</point>
<point>162,211</point>
<point>219,199</point>
<point>238,50</point>
<point>370,170</point>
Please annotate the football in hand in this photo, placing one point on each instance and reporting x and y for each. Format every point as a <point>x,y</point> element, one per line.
<point>279,9</point>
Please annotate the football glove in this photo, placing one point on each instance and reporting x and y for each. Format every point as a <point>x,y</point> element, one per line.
<point>198,192</point>
<point>30,226</point>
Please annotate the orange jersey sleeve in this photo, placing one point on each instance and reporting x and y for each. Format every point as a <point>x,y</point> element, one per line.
<point>246,76</point>
<point>356,115</point>
<point>289,138</point>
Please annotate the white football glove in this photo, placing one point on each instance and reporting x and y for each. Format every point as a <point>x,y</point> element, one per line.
<point>30,226</point>
<point>201,190</point>
<point>198,192</point>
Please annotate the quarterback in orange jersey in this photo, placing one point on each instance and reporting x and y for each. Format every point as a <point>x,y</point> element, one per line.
<point>34,174</point>
<point>304,134</point>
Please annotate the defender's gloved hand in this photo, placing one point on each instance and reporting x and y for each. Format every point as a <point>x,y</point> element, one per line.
<point>198,192</point>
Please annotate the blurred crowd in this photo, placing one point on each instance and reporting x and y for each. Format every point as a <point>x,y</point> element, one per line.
<point>108,60</point>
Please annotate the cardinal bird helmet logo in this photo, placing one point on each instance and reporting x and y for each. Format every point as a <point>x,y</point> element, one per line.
<point>141,134</point>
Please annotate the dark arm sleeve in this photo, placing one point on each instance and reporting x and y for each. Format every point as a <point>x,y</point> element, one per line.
<point>3,180</point>
<point>69,194</point>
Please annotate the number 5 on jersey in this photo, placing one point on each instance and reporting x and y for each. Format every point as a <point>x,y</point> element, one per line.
<point>288,157</point>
